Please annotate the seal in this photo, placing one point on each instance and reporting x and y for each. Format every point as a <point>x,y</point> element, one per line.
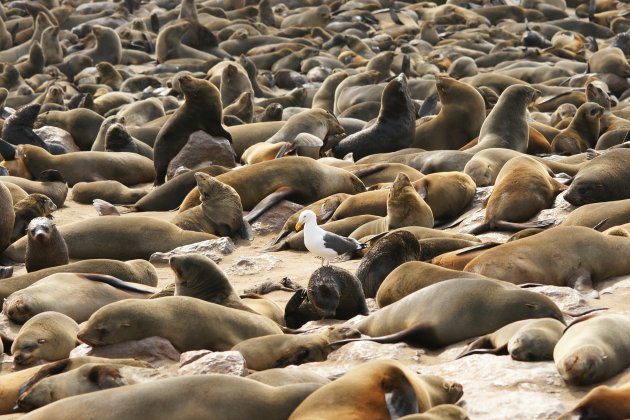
<point>220,212</point>
<point>201,110</point>
<point>136,319</point>
<point>127,168</point>
<point>602,402</point>
<point>529,340</point>
<point>50,183</point>
<point>280,376</point>
<point>135,271</point>
<point>297,178</point>
<point>281,350</point>
<point>82,123</point>
<point>199,277</point>
<point>335,293</point>
<point>425,317</point>
<point>48,336</point>
<point>118,139</point>
<point>556,256</point>
<point>27,209</point>
<point>405,207</point>
<point>582,133</point>
<point>76,295</point>
<point>389,252</point>
<point>411,276</point>
<point>111,191</point>
<point>522,189</point>
<point>378,389</point>
<point>18,128</point>
<point>395,121</point>
<point>441,412</point>
<point>245,398</point>
<point>99,141</point>
<point>45,246</point>
<point>506,125</point>
<point>461,116</point>
<point>601,179</point>
<point>593,349</point>
<point>7,217</point>
<point>372,175</point>
<point>601,215</point>
<point>119,238</point>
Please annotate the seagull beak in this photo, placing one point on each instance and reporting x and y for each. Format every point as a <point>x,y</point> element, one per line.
<point>299,226</point>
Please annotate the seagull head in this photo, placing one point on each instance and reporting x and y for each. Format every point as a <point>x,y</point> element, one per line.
<point>305,217</point>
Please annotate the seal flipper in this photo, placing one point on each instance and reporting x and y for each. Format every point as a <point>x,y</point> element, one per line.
<point>400,397</point>
<point>417,336</point>
<point>268,202</point>
<point>246,231</point>
<point>103,208</point>
<point>509,226</point>
<point>7,150</point>
<point>118,283</point>
<point>482,345</point>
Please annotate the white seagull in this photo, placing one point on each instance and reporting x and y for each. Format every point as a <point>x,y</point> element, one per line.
<point>325,245</point>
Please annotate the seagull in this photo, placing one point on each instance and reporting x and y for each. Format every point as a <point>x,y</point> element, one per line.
<point>325,245</point>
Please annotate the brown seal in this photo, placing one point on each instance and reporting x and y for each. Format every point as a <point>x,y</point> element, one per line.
<point>45,246</point>
<point>127,168</point>
<point>379,390</point>
<point>383,257</point>
<point>506,125</point>
<point>201,110</point>
<point>281,376</point>
<point>220,212</point>
<point>133,320</point>
<point>441,412</point>
<point>529,340</point>
<point>280,350</point>
<point>594,349</point>
<point>557,257</point>
<point>76,295</point>
<point>426,318</point>
<point>582,133</point>
<point>459,120</point>
<point>83,124</point>
<point>50,183</point>
<point>244,398</point>
<point>34,205</point>
<point>522,189</point>
<point>111,191</point>
<point>603,402</point>
<point>600,215</point>
<point>48,336</point>
<point>7,217</point>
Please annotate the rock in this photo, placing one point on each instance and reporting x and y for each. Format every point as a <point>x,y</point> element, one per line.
<point>213,249</point>
<point>56,135</point>
<point>244,266</point>
<point>567,298</point>
<point>273,219</point>
<point>202,147</point>
<point>202,362</point>
<point>157,351</point>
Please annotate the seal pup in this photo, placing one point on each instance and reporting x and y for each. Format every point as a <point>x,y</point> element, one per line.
<point>110,191</point>
<point>201,110</point>
<point>27,209</point>
<point>133,319</point>
<point>593,349</point>
<point>582,133</point>
<point>335,293</point>
<point>45,246</point>
<point>529,340</point>
<point>47,337</point>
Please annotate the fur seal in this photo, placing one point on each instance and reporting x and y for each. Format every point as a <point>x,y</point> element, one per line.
<point>76,295</point>
<point>582,133</point>
<point>602,402</point>
<point>45,246</point>
<point>425,317</point>
<point>50,183</point>
<point>111,191</point>
<point>529,340</point>
<point>522,189</point>
<point>7,217</point>
<point>199,277</point>
<point>201,110</point>
<point>83,124</point>
<point>135,319</point>
<point>116,237</point>
<point>460,118</point>
<point>593,349</point>
<point>118,139</point>
<point>281,376</point>
<point>243,398</point>
<point>27,209</point>
<point>557,256</point>
<point>379,390</point>
<point>440,412</point>
<point>48,336</point>
<point>389,252</point>
<point>601,179</point>
<point>280,350</point>
<point>127,168</point>
<point>601,215</point>
<point>220,212</point>
<point>18,128</point>
<point>335,293</point>
<point>395,122</point>
<point>300,179</point>
<point>506,125</point>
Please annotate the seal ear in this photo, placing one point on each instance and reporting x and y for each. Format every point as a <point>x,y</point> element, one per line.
<point>106,377</point>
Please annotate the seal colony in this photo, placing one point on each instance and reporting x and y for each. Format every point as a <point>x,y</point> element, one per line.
<point>408,139</point>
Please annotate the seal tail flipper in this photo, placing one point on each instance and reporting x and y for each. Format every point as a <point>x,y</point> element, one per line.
<point>268,202</point>
<point>509,226</point>
<point>496,352</point>
<point>103,208</point>
<point>246,231</point>
<point>118,283</point>
<point>481,345</point>
<point>485,245</point>
<point>419,335</point>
